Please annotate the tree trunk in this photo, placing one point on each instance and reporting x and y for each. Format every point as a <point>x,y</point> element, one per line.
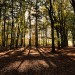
<point>30,28</point>
<point>12,29</point>
<point>52,25</point>
<point>4,19</point>
<point>58,41</point>
<point>36,29</point>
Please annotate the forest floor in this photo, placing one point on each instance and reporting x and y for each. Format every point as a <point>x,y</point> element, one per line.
<point>41,61</point>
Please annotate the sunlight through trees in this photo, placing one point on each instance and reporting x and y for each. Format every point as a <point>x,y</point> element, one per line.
<point>37,23</point>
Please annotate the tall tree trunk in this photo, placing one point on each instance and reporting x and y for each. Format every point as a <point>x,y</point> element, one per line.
<point>7,35</point>
<point>1,27</point>
<point>12,29</point>
<point>4,19</point>
<point>36,29</point>
<point>21,38</point>
<point>30,28</point>
<point>24,31</point>
<point>65,34</point>
<point>73,37</point>
<point>17,39</point>
<point>52,25</point>
<point>58,41</point>
<point>43,34</point>
<point>46,35</point>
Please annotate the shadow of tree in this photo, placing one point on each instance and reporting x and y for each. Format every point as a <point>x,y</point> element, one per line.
<point>38,62</point>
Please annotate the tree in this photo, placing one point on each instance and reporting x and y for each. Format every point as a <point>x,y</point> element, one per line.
<point>73,4</point>
<point>50,11</point>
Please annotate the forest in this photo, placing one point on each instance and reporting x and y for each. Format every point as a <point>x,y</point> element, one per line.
<point>37,37</point>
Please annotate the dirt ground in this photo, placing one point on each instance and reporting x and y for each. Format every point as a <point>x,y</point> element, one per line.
<point>41,61</point>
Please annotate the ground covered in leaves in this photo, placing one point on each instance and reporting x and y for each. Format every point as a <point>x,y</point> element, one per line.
<point>41,61</point>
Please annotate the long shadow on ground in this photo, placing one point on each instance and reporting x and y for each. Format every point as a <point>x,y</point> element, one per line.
<point>38,62</point>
